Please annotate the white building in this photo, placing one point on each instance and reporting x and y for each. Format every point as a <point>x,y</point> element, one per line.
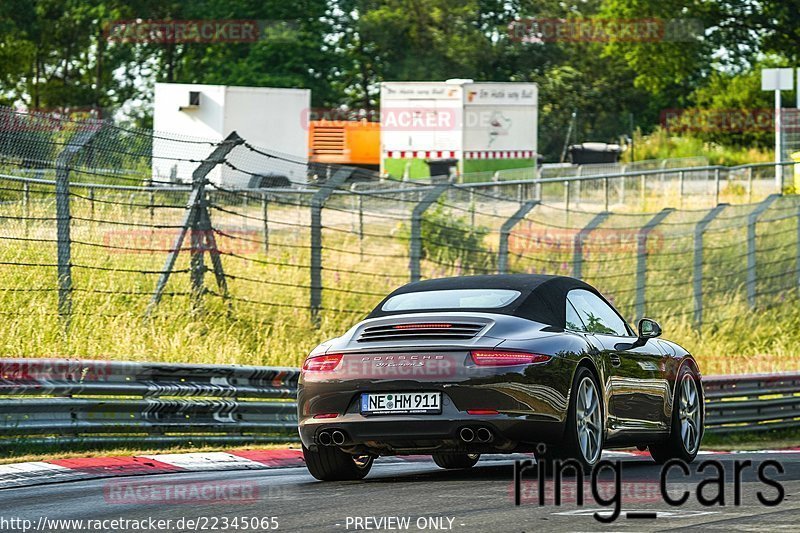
<point>485,126</point>
<point>274,120</point>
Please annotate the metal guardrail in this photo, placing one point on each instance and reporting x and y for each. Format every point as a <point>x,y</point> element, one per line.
<point>98,401</point>
<point>752,402</point>
<point>70,401</point>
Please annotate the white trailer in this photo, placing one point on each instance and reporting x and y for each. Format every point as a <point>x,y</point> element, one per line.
<point>484,126</point>
<point>274,120</point>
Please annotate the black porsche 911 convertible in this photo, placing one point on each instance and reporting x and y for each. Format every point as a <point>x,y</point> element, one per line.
<point>459,367</point>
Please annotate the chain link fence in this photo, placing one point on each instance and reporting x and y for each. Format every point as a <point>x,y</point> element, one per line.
<point>90,237</point>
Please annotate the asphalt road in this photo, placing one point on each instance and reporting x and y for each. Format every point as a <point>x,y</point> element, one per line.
<point>480,499</point>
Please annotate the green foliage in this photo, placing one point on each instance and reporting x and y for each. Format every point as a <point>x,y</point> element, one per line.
<point>660,145</point>
<point>452,240</point>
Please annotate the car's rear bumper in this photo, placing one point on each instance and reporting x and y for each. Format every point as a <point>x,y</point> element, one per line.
<point>425,433</point>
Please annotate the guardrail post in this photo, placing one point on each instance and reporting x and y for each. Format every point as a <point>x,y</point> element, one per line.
<point>680,187</point>
<point>415,244</point>
<point>716,186</point>
<point>191,221</point>
<point>641,258</point>
<point>472,208</point>
<point>566,195</point>
<point>26,205</point>
<point>752,220</point>
<point>643,188</point>
<point>749,184</point>
<point>317,203</point>
<point>537,190</point>
<point>605,193</point>
<point>797,259</point>
<point>699,230</point>
<point>505,232</point>
<point>64,251</point>
<point>577,259</point>
<point>91,203</point>
<point>265,216</point>
<point>360,226</point>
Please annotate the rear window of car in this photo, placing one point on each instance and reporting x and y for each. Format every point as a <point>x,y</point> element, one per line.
<point>451,299</point>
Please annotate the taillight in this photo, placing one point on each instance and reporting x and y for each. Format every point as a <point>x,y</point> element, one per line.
<point>322,363</point>
<point>499,358</point>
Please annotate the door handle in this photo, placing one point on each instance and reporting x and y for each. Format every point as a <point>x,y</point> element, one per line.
<point>615,360</point>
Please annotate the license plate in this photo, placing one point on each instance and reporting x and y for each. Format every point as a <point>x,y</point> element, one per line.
<point>401,403</point>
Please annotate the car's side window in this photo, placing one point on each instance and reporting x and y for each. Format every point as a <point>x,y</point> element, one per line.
<point>574,321</point>
<point>596,314</point>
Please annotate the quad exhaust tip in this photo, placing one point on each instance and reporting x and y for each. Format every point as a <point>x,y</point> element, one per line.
<point>335,437</point>
<point>481,434</point>
<point>484,435</point>
<point>325,439</point>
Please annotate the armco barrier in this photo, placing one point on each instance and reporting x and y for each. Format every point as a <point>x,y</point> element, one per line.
<point>68,400</point>
<point>752,402</point>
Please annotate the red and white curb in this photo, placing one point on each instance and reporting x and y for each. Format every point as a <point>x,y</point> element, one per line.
<point>61,470</point>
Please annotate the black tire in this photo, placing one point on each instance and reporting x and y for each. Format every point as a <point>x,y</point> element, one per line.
<point>674,447</point>
<point>570,448</point>
<point>456,460</point>
<point>329,463</point>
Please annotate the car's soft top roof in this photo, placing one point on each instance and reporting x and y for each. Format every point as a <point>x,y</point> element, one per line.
<point>543,298</point>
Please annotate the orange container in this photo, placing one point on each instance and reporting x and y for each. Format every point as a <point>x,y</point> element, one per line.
<point>344,142</point>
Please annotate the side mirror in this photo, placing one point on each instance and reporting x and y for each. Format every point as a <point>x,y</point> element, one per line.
<point>649,329</point>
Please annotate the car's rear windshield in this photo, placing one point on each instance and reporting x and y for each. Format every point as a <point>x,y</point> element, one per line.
<point>451,299</point>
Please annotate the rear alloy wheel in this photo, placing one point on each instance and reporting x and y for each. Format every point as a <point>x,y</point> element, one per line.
<point>584,432</point>
<point>329,463</point>
<point>687,422</point>
<point>452,461</point>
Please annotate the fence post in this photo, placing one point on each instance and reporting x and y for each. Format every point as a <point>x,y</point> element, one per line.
<point>641,258</point>
<point>265,215</point>
<point>605,193</point>
<point>681,178</point>
<point>752,220</point>
<point>63,162</point>
<point>577,258</point>
<point>317,203</point>
<point>749,184</point>
<point>716,186</point>
<point>699,230</point>
<point>505,231</point>
<point>566,195</point>
<point>415,244</point>
<point>191,219</point>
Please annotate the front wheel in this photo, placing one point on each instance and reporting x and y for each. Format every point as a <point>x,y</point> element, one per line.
<point>456,460</point>
<point>332,464</point>
<point>687,421</point>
